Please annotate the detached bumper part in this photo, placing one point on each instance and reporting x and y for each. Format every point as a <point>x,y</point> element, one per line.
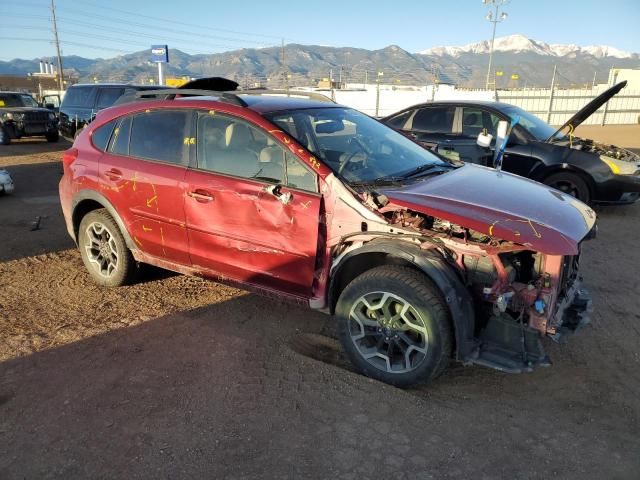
<point>6,183</point>
<point>509,347</point>
<point>574,313</point>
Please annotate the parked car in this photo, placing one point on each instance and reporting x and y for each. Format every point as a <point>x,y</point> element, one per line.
<point>313,202</point>
<point>6,182</point>
<point>81,102</point>
<point>22,116</point>
<point>588,170</point>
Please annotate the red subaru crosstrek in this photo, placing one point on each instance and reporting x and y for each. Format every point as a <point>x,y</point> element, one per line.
<point>420,260</point>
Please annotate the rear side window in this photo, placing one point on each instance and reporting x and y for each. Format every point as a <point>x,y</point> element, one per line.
<point>161,135</point>
<point>108,96</point>
<point>434,119</point>
<point>101,135</point>
<point>78,97</point>
<point>120,137</point>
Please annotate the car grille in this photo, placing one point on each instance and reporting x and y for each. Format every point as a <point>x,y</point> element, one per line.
<point>36,117</point>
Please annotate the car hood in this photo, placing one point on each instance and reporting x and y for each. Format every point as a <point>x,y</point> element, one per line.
<point>501,205</point>
<point>590,108</point>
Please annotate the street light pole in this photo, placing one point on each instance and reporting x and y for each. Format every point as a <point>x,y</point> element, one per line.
<point>495,19</point>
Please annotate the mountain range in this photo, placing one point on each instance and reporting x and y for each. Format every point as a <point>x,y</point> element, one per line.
<point>466,65</point>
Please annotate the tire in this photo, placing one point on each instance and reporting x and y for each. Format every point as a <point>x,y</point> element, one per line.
<point>104,250</point>
<point>402,350</point>
<point>53,137</point>
<point>5,139</point>
<point>571,184</point>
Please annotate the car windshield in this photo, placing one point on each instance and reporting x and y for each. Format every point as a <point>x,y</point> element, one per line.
<point>539,129</point>
<point>355,146</point>
<point>17,100</point>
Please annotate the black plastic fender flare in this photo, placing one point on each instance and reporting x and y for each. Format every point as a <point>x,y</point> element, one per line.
<point>439,271</point>
<point>83,195</point>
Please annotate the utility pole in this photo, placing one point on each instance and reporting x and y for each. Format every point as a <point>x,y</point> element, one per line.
<point>55,35</point>
<point>553,85</point>
<point>284,69</point>
<point>378,75</point>
<point>495,19</point>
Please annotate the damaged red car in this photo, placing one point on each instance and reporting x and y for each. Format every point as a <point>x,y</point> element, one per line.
<point>420,260</point>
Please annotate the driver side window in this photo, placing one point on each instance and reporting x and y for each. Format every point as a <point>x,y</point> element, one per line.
<point>231,146</point>
<point>476,121</point>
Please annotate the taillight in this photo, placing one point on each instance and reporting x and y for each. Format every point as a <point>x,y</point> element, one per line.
<point>69,156</point>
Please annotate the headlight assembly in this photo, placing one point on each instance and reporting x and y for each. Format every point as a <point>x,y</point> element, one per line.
<point>619,167</point>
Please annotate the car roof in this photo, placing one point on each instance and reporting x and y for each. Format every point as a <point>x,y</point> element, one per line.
<point>500,106</point>
<point>2,92</point>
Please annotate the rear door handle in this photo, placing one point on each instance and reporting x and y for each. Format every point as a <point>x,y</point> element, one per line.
<point>113,174</point>
<point>201,196</point>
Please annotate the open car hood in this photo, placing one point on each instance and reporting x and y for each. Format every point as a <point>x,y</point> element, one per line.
<point>502,205</point>
<point>590,108</point>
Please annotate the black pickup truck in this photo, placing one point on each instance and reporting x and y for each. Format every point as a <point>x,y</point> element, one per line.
<point>22,116</point>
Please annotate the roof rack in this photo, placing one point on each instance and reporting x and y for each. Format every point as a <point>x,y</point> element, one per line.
<point>229,97</point>
<point>170,94</point>
<point>288,93</point>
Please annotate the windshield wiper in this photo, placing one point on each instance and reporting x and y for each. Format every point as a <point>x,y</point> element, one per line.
<point>424,168</point>
<point>380,181</point>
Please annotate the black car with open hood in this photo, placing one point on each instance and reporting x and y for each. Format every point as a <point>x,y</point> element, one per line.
<point>588,170</point>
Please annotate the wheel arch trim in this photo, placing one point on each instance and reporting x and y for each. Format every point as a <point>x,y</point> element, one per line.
<point>438,270</point>
<point>90,195</point>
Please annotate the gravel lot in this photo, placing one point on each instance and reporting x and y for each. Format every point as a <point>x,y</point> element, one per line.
<point>176,377</point>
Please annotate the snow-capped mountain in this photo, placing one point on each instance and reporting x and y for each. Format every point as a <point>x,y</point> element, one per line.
<point>521,43</point>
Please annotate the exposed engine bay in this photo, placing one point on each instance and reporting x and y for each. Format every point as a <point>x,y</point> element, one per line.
<point>610,151</point>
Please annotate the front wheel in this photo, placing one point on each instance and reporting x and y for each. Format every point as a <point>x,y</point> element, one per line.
<point>104,250</point>
<point>395,326</point>
<point>52,137</point>
<point>571,184</point>
<point>5,139</point>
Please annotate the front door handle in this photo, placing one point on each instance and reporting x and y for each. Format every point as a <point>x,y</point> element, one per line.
<point>113,174</point>
<point>201,196</point>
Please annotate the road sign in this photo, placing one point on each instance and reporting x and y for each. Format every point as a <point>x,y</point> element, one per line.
<point>160,53</point>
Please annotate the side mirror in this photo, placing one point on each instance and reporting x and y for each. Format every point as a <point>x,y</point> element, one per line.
<point>484,140</point>
<point>49,106</point>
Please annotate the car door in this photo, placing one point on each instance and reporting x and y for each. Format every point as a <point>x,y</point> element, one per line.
<point>142,174</point>
<point>471,121</point>
<point>252,208</point>
<point>432,126</point>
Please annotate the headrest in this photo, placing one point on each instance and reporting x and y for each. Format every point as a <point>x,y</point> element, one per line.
<point>237,135</point>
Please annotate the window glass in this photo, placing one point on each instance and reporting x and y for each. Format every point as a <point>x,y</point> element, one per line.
<point>230,146</point>
<point>10,100</point>
<point>108,96</point>
<point>28,101</point>
<point>161,135</point>
<point>299,175</point>
<point>434,119</point>
<point>78,96</point>
<point>475,120</point>
<point>120,138</point>
<point>399,121</point>
<point>100,136</point>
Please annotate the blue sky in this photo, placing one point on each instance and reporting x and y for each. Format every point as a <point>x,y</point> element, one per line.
<point>92,28</point>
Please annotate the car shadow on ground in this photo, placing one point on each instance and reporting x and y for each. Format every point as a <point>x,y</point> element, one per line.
<point>219,391</point>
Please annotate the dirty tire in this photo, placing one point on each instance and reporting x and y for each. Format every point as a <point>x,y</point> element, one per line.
<point>571,184</point>
<point>400,306</point>
<point>52,137</point>
<point>104,250</point>
<point>5,139</point>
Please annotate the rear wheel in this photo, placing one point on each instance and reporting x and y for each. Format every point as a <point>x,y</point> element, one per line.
<point>571,184</point>
<point>394,326</point>
<point>104,250</point>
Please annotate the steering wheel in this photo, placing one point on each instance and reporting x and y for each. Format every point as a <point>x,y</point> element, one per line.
<point>362,149</point>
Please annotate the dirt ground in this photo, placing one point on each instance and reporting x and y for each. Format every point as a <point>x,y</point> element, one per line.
<point>176,377</point>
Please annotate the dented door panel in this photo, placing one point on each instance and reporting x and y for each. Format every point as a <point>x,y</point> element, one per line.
<point>240,230</point>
